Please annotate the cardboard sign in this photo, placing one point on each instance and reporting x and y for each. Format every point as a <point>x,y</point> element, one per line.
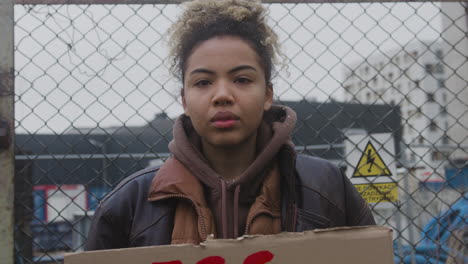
<point>363,245</point>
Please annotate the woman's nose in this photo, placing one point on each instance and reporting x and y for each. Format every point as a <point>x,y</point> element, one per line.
<point>223,94</point>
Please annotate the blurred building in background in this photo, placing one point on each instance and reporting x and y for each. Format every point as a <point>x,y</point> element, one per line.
<point>454,36</point>
<point>414,78</point>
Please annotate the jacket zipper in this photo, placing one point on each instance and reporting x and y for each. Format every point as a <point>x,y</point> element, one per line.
<point>250,220</point>
<point>197,209</point>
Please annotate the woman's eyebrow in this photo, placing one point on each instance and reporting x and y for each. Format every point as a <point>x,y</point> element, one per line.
<point>201,70</point>
<point>242,67</point>
<point>238,68</point>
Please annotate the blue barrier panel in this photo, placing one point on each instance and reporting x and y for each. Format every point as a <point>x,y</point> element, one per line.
<point>95,195</point>
<point>457,178</point>
<point>39,198</point>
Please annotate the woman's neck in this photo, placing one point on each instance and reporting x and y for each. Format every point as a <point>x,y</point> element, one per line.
<point>230,162</point>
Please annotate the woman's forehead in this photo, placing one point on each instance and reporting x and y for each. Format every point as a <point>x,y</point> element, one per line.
<point>223,53</point>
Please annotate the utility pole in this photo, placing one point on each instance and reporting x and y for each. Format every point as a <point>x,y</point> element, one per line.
<point>7,160</point>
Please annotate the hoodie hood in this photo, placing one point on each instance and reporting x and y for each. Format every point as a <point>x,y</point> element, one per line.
<point>230,201</point>
<point>273,133</point>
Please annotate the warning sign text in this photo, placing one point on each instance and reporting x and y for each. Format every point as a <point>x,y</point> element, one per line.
<point>378,192</point>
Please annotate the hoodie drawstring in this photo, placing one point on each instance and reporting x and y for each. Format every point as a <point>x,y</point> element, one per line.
<point>224,220</point>
<point>236,211</point>
<point>223,208</point>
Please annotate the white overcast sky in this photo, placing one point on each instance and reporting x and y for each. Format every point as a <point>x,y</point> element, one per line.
<point>87,66</point>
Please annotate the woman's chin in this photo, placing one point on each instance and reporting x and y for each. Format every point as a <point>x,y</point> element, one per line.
<point>227,141</point>
<point>224,143</point>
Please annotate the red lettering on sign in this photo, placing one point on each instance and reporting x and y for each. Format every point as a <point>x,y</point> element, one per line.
<point>212,260</point>
<point>260,257</point>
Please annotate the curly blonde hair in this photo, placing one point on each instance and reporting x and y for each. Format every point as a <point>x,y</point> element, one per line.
<point>205,19</point>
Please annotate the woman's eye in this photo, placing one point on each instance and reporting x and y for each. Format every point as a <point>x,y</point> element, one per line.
<point>201,83</point>
<point>243,80</point>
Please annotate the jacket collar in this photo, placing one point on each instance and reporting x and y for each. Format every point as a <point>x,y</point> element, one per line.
<point>172,179</point>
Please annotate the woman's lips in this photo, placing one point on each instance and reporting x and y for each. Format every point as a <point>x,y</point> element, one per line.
<point>224,119</point>
<point>224,124</point>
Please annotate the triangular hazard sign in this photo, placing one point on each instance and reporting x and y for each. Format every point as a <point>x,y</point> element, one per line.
<point>371,164</point>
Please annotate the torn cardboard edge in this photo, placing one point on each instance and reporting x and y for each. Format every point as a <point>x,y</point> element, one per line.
<point>361,245</point>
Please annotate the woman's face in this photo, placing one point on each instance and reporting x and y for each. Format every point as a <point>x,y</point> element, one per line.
<point>225,91</point>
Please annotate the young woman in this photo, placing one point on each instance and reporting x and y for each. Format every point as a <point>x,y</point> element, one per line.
<point>234,170</point>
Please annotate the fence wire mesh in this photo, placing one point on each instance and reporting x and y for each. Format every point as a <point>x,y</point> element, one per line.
<point>377,83</point>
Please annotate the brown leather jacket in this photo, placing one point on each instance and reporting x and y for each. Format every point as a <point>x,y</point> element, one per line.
<point>318,196</point>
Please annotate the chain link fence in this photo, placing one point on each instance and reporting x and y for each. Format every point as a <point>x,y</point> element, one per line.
<point>380,89</point>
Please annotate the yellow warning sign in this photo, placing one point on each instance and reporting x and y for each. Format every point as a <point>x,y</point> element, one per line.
<point>378,192</point>
<point>371,164</point>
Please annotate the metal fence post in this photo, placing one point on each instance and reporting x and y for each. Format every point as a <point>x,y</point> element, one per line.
<point>409,215</point>
<point>6,132</point>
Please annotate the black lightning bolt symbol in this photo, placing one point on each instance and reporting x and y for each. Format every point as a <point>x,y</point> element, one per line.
<point>370,160</point>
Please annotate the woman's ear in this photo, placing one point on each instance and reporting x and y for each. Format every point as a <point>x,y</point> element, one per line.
<point>184,103</point>
<point>268,96</point>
